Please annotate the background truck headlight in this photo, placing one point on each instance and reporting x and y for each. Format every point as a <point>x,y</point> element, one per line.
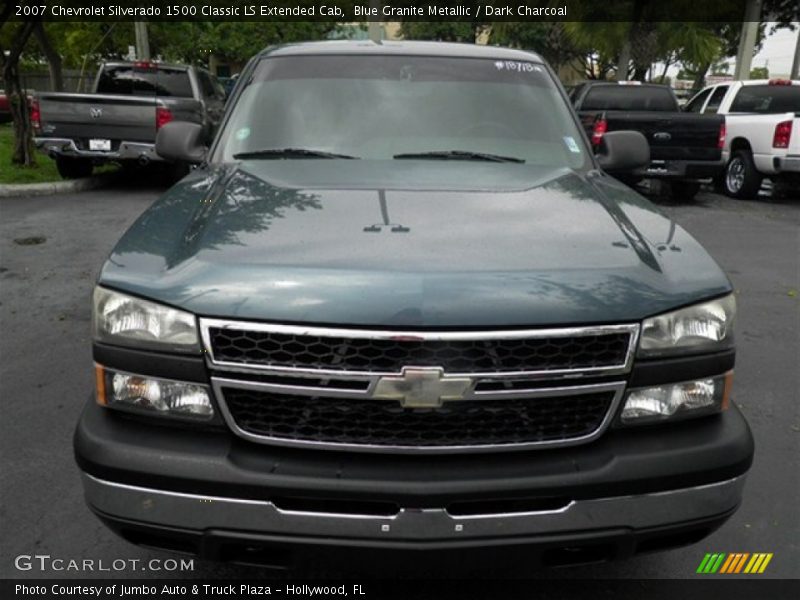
<point>705,327</point>
<point>129,321</point>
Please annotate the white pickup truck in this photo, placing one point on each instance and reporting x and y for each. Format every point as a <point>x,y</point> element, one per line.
<point>763,132</point>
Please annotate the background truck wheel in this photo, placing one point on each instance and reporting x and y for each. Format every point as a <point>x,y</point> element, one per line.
<point>684,190</point>
<point>73,168</point>
<point>741,178</point>
<point>629,180</point>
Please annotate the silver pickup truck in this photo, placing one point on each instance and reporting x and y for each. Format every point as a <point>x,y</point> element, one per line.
<point>119,120</point>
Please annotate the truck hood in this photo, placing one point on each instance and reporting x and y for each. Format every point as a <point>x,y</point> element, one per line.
<point>412,244</point>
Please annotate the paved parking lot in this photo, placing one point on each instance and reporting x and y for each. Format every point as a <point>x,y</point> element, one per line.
<point>51,248</point>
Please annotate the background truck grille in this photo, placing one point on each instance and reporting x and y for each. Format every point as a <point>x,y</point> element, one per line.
<point>389,355</point>
<point>386,423</point>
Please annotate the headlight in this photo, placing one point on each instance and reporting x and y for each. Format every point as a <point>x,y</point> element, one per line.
<point>152,395</point>
<point>126,320</point>
<point>677,400</point>
<point>700,328</point>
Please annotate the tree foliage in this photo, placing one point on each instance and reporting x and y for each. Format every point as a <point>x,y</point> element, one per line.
<point>551,39</point>
<point>443,31</point>
<point>15,37</point>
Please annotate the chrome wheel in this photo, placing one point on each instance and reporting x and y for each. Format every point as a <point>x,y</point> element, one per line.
<point>734,177</point>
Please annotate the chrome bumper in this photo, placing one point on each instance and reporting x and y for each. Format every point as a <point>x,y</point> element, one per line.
<point>197,512</point>
<point>789,164</point>
<point>126,151</point>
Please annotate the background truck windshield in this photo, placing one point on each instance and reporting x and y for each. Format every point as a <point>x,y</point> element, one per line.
<point>630,97</point>
<point>145,81</point>
<point>767,99</point>
<point>376,107</point>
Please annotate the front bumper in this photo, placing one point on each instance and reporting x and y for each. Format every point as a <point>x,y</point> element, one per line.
<point>644,489</point>
<point>125,151</point>
<point>415,527</point>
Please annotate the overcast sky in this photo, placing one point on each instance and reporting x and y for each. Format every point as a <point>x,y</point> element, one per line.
<point>777,51</point>
<point>777,48</point>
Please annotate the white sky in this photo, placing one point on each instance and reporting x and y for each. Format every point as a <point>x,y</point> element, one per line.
<point>777,51</point>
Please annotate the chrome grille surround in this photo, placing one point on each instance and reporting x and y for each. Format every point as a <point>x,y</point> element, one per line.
<point>361,385</point>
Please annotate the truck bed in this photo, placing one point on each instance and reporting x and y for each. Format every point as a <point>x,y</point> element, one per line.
<point>671,135</point>
<point>118,118</point>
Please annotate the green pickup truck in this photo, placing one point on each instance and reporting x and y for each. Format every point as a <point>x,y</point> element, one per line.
<point>400,305</point>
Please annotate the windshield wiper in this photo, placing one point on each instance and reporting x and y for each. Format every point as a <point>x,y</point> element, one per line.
<point>460,155</point>
<point>290,153</point>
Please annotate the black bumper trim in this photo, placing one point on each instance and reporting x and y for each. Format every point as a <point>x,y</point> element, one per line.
<point>281,551</point>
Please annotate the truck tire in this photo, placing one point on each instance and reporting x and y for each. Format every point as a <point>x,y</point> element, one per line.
<point>684,190</point>
<point>73,168</point>
<point>742,180</point>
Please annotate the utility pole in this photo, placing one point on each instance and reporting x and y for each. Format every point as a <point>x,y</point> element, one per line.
<point>747,40</point>
<point>796,62</point>
<point>374,25</point>
<point>142,40</point>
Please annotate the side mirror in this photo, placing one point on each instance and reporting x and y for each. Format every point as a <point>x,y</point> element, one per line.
<point>623,151</point>
<point>181,141</point>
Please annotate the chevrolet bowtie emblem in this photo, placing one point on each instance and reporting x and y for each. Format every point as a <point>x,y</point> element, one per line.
<point>420,387</point>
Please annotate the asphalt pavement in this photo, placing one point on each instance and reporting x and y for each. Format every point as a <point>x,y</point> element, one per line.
<point>52,246</point>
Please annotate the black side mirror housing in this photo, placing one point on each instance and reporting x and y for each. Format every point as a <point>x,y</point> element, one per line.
<point>623,151</point>
<point>181,141</point>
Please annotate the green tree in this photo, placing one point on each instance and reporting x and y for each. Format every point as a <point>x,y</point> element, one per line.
<point>12,43</point>
<point>443,31</point>
<point>550,39</point>
<point>759,73</point>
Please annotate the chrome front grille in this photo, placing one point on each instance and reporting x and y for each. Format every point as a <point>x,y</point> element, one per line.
<point>417,391</point>
<point>458,424</point>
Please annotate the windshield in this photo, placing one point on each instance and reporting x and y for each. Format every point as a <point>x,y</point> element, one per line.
<point>384,107</point>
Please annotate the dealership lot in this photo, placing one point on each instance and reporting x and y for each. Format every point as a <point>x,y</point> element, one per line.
<point>51,248</point>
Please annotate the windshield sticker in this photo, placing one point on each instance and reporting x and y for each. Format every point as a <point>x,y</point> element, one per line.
<point>519,67</point>
<point>572,144</point>
<point>243,133</point>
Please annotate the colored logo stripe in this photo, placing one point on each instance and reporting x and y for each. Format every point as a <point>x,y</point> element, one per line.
<point>711,563</point>
<point>734,563</point>
<point>758,563</point>
<point>721,562</point>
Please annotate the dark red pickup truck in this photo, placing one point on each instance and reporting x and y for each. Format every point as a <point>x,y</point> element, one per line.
<point>5,109</point>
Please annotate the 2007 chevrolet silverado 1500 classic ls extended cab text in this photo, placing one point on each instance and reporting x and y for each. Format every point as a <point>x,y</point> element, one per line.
<point>401,306</point>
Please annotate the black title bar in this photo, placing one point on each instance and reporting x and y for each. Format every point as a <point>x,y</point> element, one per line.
<point>388,10</point>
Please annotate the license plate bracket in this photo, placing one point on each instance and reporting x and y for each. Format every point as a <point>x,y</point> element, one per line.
<point>100,145</point>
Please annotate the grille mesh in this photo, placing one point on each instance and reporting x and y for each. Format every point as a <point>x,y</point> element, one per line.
<point>381,355</point>
<point>386,423</point>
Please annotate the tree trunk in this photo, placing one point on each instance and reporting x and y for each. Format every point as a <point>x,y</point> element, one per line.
<point>667,63</point>
<point>624,61</point>
<point>23,152</point>
<point>700,76</point>
<point>640,73</point>
<point>53,58</point>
